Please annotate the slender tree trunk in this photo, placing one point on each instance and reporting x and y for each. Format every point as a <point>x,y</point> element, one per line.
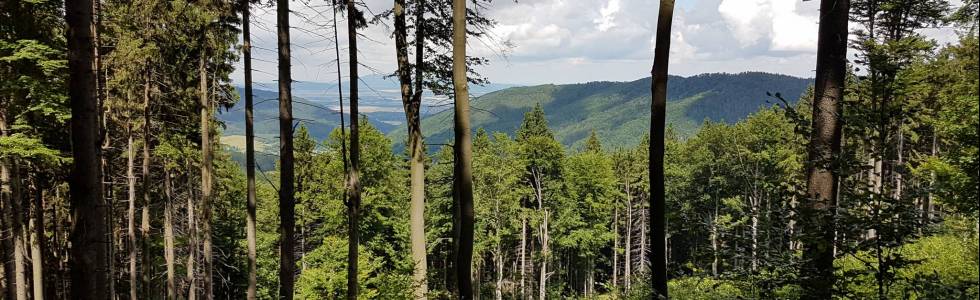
<point>463,150</point>
<point>145,217</point>
<point>545,254</point>
<point>90,249</point>
<point>628,265</point>
<point>192,239</point>
<point>411,105</point>
<point>615,265</point>
<point>498,289</point>
<point>754,202</point>
<point>206,186</point>
<point>131,212</point>
<point>287,202</point>
<point>168,237</point>
<point>37,243</point>
<point>825,141</point>
<point>658,217</point>
<point>354,197</point>
<point>644,260</point>
<point>6,241</point>
<point>523,257</point>
<point>249,153</point>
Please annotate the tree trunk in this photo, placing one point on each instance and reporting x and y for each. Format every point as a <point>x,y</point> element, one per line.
<point>354,197</point>
<point>754,202</point>
<point>131,212</point>
<point>249,153</point>
<point>658,217</point>
<point>498,289</point>
<point>287,202</point>
<point>145,217</point>
<point>6,241</point>
<point>628,265</point>
<point>523,257</point>
<point>37,243</point>
<point>825,141</point>
<point>615,265</point>
<point>545,254</point>
<point>90,249</point>
<point>411,105</point>
<point>10,177</point>
<point>192,239</point>
<point>168,237</point>
<point>206,186</point>
<point>463,150</point>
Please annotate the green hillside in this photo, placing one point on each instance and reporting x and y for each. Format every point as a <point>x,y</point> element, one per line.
<point>620,111</point>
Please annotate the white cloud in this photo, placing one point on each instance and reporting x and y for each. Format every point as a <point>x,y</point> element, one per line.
<point>608,16</point>
<point>777,23</point>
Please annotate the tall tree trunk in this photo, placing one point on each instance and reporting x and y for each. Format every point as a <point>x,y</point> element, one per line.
<point>131,212</point>
<point>498,287</point>
<point>615,265</point>
<point>10,192</point>
<point>6,241</point>
<point>168,237</point>
<point>206,186</point>
<point>628,265</point>
<point>287,202</point>
<point>249,153</point>
<point>658,109</point>
<point>192,238</point>
<point>37,242</point>
<point>523,257</point>
<point>754,202</point>
<point>354,196</point>
<point>825,141</point>
<point>145,217</point>
<point>90,249</point>
<point>411,105</point>
<point>463,150</point>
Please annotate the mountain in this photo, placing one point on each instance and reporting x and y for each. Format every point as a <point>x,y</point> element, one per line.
<point>619,112</point>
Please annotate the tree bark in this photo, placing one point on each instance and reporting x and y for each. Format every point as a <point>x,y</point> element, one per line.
<point>192,239</point>
<point>287,201</point>
<point>131,212</point>
<point>168,237</point>
<point>825,140</point>
<point>615,265</point>
<point>206,180</point>
<point>658,108</point>
<point>523,257</point>
<point>628,265</point>
<point>463,150</point>
<point>411,105</point>
<point>37,242</point>
<point>354,196</point>
<point>90,249</point>
<point>10,177</point>
<point>145,217</point>
<point>249,153</point>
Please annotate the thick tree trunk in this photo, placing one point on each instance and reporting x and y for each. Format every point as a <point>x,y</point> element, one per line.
<point>249,153</point>
<point>168,237</point>
<point>825,141</point>
<point>354,191</point>
<point>10,177</point>
<point>206,186</point>
<point>131,212</point>
<point>411,105</point>
<point>287,201</point>
<point>658,217</point>
<point>90,249</point>
<point>463,150</point>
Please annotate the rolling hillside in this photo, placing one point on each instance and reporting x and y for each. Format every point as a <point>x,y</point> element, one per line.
<point>620,111</point>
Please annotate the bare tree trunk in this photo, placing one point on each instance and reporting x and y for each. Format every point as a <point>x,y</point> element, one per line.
<point>90,249</point>
<point>287,201</point>
<point>754,202</point>
<point>463,150</point>
<point>145,217</point>
<point>10,176</point>
<point>354,196</point>
<point>192,239</point>
<point>545,254</point>
<point>168,237</point>
<point>131,212</point>
<point>498,290</point>
<point>249,153</point>
<point>714,242</point>
<point>206,185</point>
<point>37,243</point>
<point>615,265</point>
<point>658,217</point>
<point>825,141</point>
<point>628,266</point>
<point>411,105</point>
<point>6,241</point>
<point>523,257</point>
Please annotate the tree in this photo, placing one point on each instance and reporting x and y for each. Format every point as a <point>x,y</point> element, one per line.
<point>463,156</point>
<point>89,248</point>
<point>287,202</point>
<point>658,220</point>
<point>249,149</point>
<point>411,103</point>
<point>355,20</point>
<point>825,143</point>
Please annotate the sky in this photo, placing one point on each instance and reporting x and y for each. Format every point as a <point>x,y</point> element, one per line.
<point>569,41</point>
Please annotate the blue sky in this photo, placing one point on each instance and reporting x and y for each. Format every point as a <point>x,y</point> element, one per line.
<point>569,41</point>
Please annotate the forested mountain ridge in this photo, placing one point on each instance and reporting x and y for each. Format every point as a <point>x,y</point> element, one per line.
<point>619,111</point>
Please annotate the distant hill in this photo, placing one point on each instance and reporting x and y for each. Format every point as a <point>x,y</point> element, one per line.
<point>620,111</point>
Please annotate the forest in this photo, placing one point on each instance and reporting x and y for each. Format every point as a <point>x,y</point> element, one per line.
<point>116,183</point>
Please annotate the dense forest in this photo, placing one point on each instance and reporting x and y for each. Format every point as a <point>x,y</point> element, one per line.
<point>116,183</point>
